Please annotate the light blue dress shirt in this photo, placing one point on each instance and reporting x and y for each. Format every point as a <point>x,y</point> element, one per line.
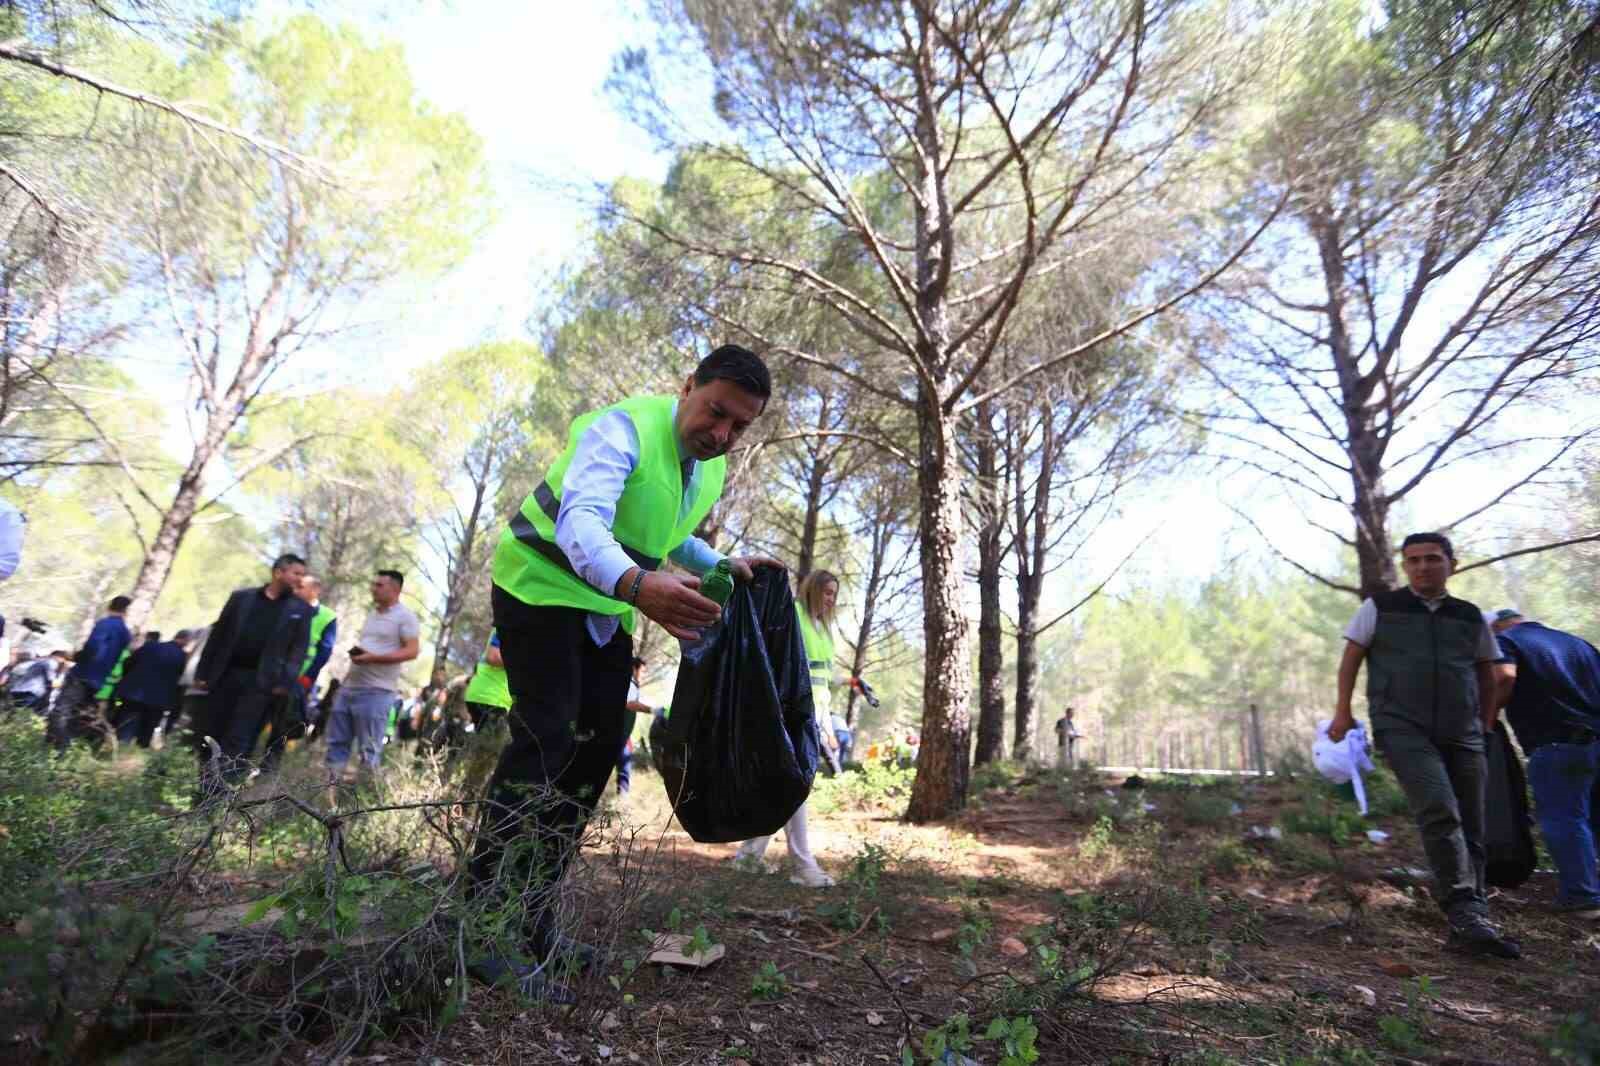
<point>606,454</point>
<point>11,525</point>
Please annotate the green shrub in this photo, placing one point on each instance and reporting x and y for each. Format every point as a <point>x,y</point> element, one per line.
<point>875,786</point>
<point>1205,807</point>
<point>1002,773</point>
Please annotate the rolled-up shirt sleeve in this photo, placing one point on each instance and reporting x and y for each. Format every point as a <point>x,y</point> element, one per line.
<point>606,454</point>
<point>696,556</point>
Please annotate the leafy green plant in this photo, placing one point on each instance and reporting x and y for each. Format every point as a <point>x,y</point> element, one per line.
<point>1205,807</point>
<point>1017,1038</point>
<point>1098,842</point>
<point>1576,1039</point>
<point>973,933</point>
<point>769,983</point>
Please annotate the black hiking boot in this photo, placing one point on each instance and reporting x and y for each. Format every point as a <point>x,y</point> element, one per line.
<point>1475,936</point>
<point>502,971</point>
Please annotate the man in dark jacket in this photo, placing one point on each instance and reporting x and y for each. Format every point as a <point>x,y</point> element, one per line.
<point>74,713</point>
<point>252,657</point>
<point>1430,691</point>
<point>1549,685</point>
<point>149,688</point>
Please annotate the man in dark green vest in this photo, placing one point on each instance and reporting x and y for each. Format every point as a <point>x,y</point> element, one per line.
<point>577,560</point>
<point>1431,692</point>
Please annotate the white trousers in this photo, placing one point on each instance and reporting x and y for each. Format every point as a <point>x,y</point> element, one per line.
<point>794,830</point>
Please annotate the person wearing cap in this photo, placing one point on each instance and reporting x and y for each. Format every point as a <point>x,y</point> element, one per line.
<point>149,686</point>
<point>1430,693</point>
<point>582,554</point>
<point>1549,686</point>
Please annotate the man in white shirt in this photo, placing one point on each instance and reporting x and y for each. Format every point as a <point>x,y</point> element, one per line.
<point>390,638</point>
<point>579,557</point>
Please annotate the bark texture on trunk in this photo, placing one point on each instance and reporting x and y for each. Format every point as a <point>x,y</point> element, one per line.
<point>882,536</point>
<point>1027,665</point>
<point>991,657</point>
<point>942,765</point>
<point>175,522</point>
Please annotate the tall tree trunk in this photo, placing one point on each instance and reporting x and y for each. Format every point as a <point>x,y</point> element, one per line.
<point>1366,445</point>
<point>1370,509</point>
<point>991,657</point>
<point>1028,588</point>
<point>1031,550</point>
<point>882,534</point>
<point>462,568</point>
<point>816,481</point>
<point>175,522</point>
<point>940,789</point>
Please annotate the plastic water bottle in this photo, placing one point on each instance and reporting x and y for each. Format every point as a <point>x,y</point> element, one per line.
<point>718,584</point>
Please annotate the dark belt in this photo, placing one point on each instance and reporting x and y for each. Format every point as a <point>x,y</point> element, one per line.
<point>525,532</point>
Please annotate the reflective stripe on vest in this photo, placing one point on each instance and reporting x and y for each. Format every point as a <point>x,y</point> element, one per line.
<point>319,626</point>
<point>650,519</point>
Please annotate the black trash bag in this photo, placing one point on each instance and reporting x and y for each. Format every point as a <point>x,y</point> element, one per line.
<point>1507,825</point>
<point>739,751</point>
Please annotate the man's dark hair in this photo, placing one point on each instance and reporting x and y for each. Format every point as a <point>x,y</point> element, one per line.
<point>152,636</point>
<point>637,661</point>
<point>741,366</point>
<point>394,575</point>
<point>118,604</point>
<point>287,559</point>
<point>1430,538</point>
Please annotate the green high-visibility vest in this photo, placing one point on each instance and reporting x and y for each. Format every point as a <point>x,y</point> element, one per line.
<point>819,647</point>
<point>529,565</point>
<point>319,625</point>
<point>110,686</point>
<point>488,684</point>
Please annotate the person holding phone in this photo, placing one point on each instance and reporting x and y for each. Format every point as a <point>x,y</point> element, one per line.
<point>390,638</point>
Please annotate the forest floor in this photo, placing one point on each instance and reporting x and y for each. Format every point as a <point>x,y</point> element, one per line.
<point>1169,924</point>
<point>1061,918</point>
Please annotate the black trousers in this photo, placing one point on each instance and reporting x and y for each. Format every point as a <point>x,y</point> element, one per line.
<point>138,721</point>
<point>236,711</point>
<point>568,721</point>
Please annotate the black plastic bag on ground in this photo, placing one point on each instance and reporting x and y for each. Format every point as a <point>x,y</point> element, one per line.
<point>739,751</point>
<point>1507,824</point>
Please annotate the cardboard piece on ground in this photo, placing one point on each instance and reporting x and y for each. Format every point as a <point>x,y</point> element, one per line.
<point>668,949</point>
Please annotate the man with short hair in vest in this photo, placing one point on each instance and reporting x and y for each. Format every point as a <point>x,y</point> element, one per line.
<point>580,556</point>
<point>1431,693</point>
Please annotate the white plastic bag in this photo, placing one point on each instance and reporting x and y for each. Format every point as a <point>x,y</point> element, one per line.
<point>1343,761</point>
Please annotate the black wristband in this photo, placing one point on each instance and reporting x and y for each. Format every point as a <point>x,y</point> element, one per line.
<point>633,593</point>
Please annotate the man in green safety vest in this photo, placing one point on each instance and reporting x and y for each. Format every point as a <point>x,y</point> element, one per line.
<point>488,693</point>
<point>324,633</point>
<point>577,560</point>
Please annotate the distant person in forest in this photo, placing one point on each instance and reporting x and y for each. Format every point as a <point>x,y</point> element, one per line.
<point>149,687</point>
<point>814,602</point>
<point>390,638</point>
<point>1066,741</point>
<point>250,663</point>
<point>324,634</point>
<point>32,682</point>
<point>75,712</point>
<point>635,705</point>
<point>1431,693</point>
<point>1548,682</point>
<point>580,556</point>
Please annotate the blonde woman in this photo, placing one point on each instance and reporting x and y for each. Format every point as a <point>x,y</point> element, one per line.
<point>814,603</point>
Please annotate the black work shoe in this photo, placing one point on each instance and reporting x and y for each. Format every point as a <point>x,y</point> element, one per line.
<point>574,956</point>
<point>1481,939</point>
<point>500,971</point>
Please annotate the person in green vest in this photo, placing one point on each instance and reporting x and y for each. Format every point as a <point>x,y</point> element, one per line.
<point>578,559</point>
<point>324,633</point>
<point>488,694</point>
<point>814,602</point>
